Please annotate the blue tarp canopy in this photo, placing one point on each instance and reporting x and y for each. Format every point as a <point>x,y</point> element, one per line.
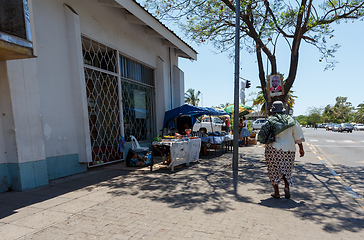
<point>189,110</point>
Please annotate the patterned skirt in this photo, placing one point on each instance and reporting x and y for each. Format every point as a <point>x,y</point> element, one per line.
<point>279,164</point>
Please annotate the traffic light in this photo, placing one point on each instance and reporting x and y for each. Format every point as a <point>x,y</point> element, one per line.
<point>247,84</point>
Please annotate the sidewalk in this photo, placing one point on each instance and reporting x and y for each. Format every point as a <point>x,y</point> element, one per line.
<point>202,201</point>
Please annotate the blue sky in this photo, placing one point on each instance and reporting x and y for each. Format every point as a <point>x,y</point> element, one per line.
<point>213,74</point>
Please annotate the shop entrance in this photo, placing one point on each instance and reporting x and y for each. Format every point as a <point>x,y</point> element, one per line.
<point>100,66</point>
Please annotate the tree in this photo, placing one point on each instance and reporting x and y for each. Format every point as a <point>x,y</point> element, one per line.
<point>328,114</point>
<point>302,120</point>
<point>314,116</point>
<point>260,100</point>
<point>359,114</point>
<point>222,105</point>
<point>342,111</point>
<point>264,25</point>
<point>192,98</point>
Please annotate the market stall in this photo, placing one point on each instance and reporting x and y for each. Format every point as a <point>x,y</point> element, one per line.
<point>182,147</point>
<point>181,151</point>
<point>224,140</point>
<point>175,119</point>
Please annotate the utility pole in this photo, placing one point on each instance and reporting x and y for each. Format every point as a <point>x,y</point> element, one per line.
<point>236,89</point>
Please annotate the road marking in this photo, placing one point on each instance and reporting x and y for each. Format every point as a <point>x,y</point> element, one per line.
<point>330,140</point>
<point>339,179</point>
<point>313,140</point>
<point>348,141</point>
<point>362,140</point>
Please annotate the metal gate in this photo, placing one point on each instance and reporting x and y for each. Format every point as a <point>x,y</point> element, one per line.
<point>100,66</point>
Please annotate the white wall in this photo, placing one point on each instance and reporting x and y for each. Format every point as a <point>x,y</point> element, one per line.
<point>7,135</point>
<point>178,87</point>
<point>60,114</point>
<point>159,91</point>
<point>26,110</point>
<point>25,106</point>
<point>55,82</point>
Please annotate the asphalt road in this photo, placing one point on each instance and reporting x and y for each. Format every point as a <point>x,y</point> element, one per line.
<point>343,152</point>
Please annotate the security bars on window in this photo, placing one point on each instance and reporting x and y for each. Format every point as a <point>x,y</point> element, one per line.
<point>137,81</point>
<point>103,100</point>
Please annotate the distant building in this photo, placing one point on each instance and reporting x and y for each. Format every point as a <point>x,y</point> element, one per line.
<point>85,72</point>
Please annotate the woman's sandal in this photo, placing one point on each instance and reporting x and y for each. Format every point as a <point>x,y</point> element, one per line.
<point>275,196</point>
<point>287,194</point>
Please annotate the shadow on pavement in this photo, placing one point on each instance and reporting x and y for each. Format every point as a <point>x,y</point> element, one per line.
<point>209,185</point>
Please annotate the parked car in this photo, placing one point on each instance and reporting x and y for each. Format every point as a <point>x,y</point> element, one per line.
<point>336,127</point>
<point>359,127</point>
<point>329,127</point>
<point>257,124</point>
<point>206,126</point>
<point>345,127</point>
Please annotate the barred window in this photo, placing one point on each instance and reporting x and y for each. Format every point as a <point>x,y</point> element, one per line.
<point>135,71</point>
<point>137,83</point>
<point>102,93</point>
<point>98,55</point>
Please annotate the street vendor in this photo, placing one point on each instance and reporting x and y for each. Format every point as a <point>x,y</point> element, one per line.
<point>182,130</point>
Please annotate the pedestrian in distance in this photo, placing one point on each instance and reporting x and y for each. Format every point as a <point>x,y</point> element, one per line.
<point>244,134</point>
<point>227,123</point>
<point>240,126</point>
<point>280,149</point>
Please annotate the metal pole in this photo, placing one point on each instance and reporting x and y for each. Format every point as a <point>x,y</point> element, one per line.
<point>267,74</point>
<point>236,88</point>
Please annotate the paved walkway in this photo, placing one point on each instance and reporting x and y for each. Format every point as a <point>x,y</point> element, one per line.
<point>202,201</point>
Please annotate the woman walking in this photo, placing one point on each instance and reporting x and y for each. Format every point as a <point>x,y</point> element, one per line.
<point>280,154</point>
<point>244,134</point>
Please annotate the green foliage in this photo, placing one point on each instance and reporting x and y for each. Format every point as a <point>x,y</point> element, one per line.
<point>263,24</point>
<point>302,120</point>
<point>341,112</point>
<point>221,106</point>
<point>359,114</point>
<point>260,100</point>
<point>214,21</point>
<point>314,116</point>
<point>192,98</point>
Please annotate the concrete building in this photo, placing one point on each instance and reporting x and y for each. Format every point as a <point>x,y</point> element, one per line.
<point>91,71</point>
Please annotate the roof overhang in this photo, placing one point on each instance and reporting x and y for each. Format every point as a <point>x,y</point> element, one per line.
<point>136,14</point>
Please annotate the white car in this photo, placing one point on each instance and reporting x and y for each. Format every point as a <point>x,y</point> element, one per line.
<point>257,124</point>
<point>359,127</point>
<point>206,126</point>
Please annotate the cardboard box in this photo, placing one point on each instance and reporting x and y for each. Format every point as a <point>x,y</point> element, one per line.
<point>218,146</point>
<point>252,141</point>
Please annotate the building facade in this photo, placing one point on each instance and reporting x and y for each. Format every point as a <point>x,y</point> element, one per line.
<point>98,70</point>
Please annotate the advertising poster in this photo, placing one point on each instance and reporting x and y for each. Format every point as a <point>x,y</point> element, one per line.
<point>275,84</point>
